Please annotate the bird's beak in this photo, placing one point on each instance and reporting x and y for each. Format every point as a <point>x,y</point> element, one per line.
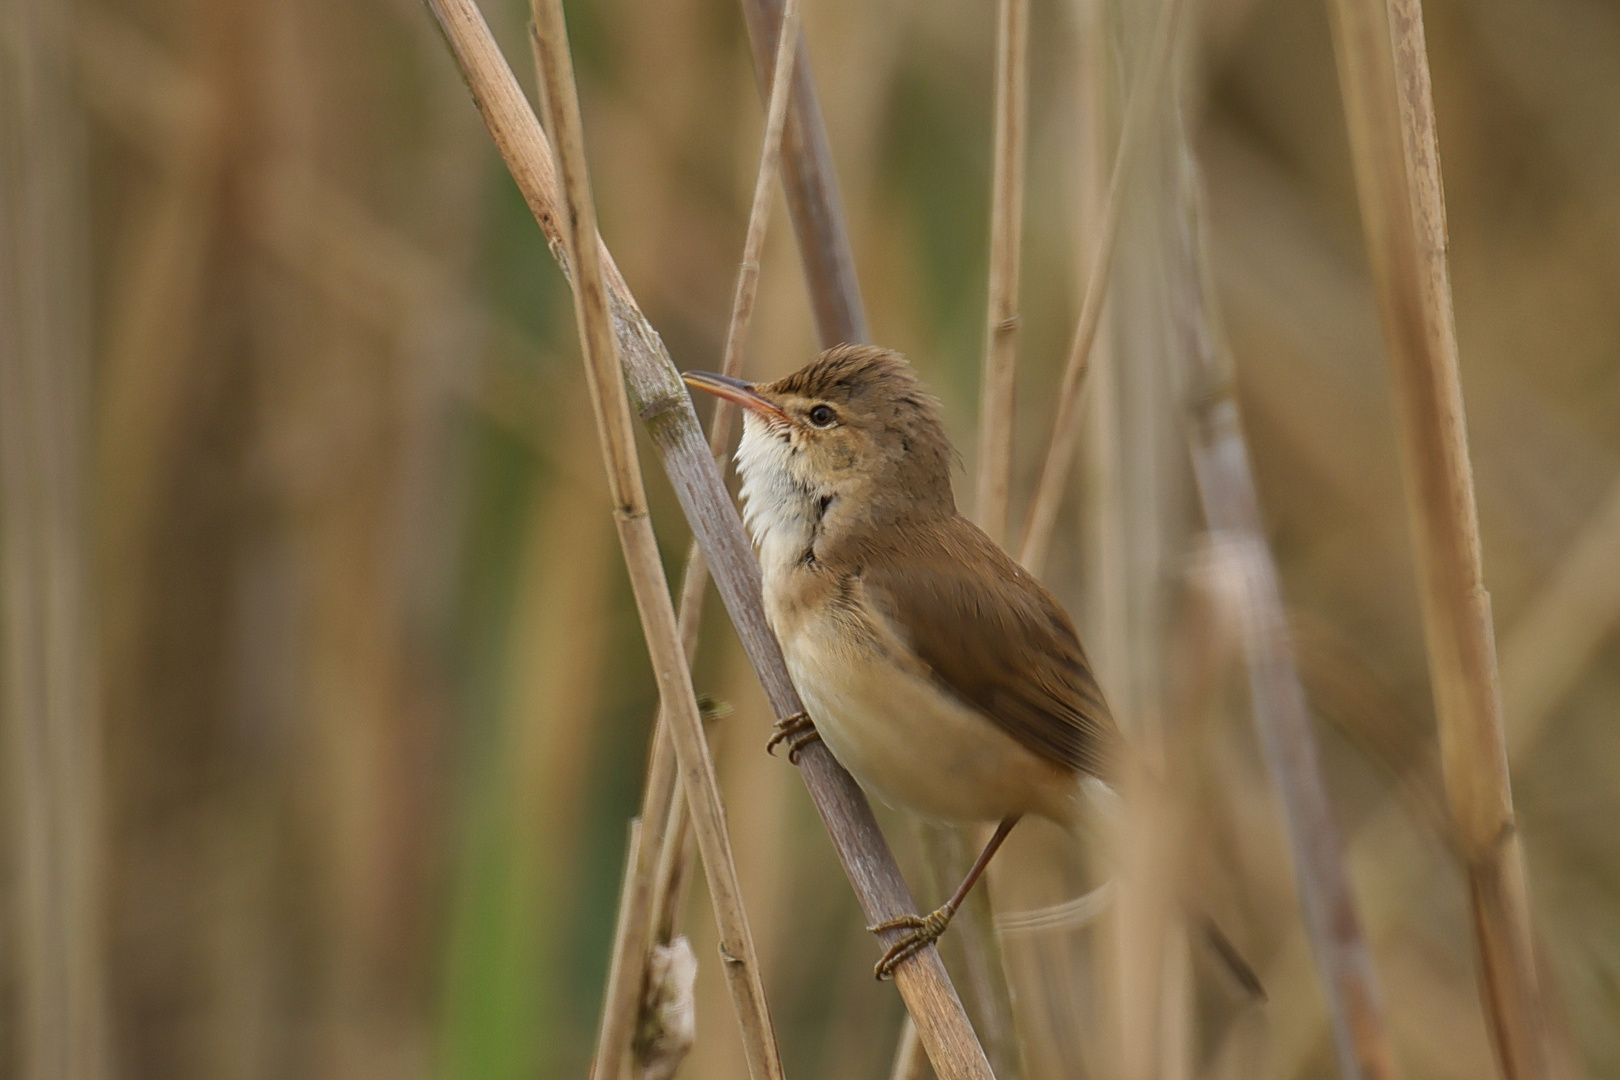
<point>742,393</point>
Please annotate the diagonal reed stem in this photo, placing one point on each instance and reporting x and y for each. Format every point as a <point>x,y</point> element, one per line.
<point>660,399</point>
<point>696,768</point>
<point>1384,79</point>
<point>1140,110</point>
<point>1231,504</point>
<point>674,854</point>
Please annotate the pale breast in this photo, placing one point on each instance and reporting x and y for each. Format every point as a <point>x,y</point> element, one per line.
<point>904,738</point>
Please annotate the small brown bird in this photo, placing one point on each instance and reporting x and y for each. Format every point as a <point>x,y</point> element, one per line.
<point>942,675</point>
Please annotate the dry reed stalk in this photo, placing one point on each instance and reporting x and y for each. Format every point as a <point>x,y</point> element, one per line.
<point>1148,929</point>
<point>998,398</point>
<point>1384,77</point>
<point>1384,900</point>
<point>696,768</point>
<point>624,982</point>
<point>1105,572</point>
<point>1140,111</point>
<point>1045,926</point>
<point>49,718</point>
<point>1144,990</point>
<point>1231,504</point>
<point>949,855</point>
<point>661,400</point>
<point>810,184</point>
<point>1566,618</point>
<point>674,846</point>
<point>1580,578</point>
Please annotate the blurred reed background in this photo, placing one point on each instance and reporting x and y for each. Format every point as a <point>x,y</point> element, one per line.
<point>325,700</point>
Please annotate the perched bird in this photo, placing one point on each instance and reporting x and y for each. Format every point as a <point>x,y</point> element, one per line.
<point>938,671</point>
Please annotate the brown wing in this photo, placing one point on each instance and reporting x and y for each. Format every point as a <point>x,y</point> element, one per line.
<point>1011,652</point>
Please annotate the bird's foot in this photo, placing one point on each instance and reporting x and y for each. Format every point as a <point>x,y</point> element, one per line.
<point>925,930</point>
<point>798,731</point>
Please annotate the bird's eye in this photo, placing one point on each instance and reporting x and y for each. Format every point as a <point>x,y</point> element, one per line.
<point>822,416</point>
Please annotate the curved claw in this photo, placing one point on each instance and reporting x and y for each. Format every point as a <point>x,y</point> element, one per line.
<point>925,930</point>
<point>798,731</point>
<point>800,743</point>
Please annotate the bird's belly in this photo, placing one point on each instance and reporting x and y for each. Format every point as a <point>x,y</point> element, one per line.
<point>912,744</point>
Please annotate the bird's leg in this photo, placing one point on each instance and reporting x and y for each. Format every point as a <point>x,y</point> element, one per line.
<point>927,929</point>
<point>797,731</point>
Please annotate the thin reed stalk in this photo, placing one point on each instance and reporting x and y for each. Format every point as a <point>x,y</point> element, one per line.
<point>950,854</point>
<point>998,398</point>
<point>656,392</point>
<point>49,734</point>
<point>810,184</point>
<point>1384,79</point>
<point>674,844</point>
<point>1226,487</point>
<point>1140,111</point>
<point>696,768</point>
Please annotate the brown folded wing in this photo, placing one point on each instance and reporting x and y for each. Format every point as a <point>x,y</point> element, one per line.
<point>996,638</point>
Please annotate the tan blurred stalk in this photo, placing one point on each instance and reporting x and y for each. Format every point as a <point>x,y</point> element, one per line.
<point>1142,109</point>
<point>949,853</point>
<point>1384,71</point>
<point>49,731</point>
<point>1104,571</point>
<point>1222,464</point>
<point>1147,993</point>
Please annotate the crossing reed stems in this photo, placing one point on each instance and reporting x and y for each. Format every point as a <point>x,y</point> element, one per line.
<point>660,399</point>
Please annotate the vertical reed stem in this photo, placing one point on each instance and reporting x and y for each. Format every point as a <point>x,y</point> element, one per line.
<point>48,715</point>
<point>998,399</point>
<point>1139,112</point>
<point>948,857</point>
<point>1384,78</point>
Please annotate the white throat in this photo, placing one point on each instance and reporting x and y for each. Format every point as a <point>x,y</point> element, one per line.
<point>779,507</point>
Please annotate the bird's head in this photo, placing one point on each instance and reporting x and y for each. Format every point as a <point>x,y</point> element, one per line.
<point>851,434</point>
